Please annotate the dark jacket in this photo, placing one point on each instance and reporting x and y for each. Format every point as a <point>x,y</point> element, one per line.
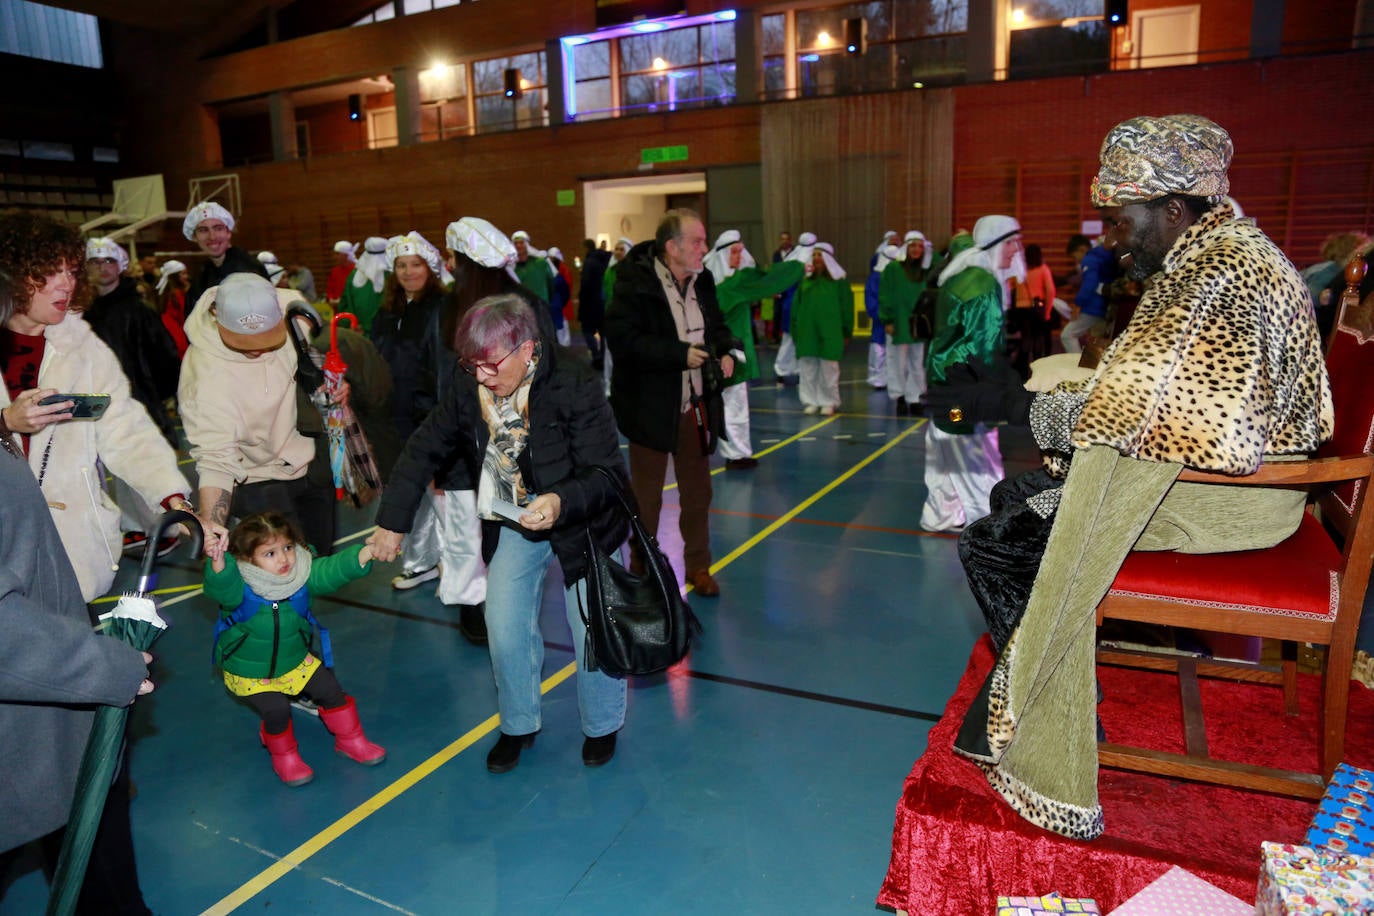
<point>54,669</point>
<point>236,261</point>
<point>1097,269</point>
<point>411,347</point>
<point>591,309</point>
<point>571,431</point>
<point>649,358</point>
<point>146,352</point>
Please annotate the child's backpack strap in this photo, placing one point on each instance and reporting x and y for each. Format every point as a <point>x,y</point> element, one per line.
<point>299,602</point>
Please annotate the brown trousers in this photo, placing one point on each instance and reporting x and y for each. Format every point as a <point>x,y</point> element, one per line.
<point>649,468</point>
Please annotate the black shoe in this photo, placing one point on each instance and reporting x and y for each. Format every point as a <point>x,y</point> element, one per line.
<point>597,752</point>
<point>505,755</point>
<point>741,464</point>
<point>902,408</point>
<point>472,623</point>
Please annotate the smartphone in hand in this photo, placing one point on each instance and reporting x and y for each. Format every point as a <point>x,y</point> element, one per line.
<point>85,406</point>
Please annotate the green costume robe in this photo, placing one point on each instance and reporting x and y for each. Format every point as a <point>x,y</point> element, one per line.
<point>968,325</point>
<point>737,294</point>
<point>608,283</point>
<point>822,318</point>
<point>536,277</point>
<point>897,296</point>
<point>363,301</point>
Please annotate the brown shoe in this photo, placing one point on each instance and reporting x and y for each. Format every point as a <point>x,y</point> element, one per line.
<point>703,584</point>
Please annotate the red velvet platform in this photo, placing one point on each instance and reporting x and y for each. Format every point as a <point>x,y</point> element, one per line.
<point>956,845</point>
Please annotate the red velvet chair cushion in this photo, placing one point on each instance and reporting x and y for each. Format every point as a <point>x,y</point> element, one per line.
<point>1298,577</point>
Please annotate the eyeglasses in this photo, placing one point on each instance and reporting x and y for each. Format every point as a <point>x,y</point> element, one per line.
<point>472,367</point>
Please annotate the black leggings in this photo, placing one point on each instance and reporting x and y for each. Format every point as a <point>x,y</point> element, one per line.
<point>275,708</point>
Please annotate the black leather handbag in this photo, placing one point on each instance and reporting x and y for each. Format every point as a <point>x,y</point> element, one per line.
<point>636,624</point>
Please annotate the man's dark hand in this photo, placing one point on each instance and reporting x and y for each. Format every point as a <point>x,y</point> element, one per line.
<point>980,393</point>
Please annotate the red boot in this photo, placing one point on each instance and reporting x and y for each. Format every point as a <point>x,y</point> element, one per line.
<point>349,740</point>
<point>286,759</point>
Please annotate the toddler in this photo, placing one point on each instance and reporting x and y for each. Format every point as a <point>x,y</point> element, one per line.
<point>263,583</point>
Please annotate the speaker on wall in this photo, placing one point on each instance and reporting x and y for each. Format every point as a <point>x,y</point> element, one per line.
<point>855,36</point>
<point>355,107</point>
<point>1115,12</point>
<point>512,83</point>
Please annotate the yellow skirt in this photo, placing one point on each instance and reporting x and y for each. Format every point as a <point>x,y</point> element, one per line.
<point>291,683</point>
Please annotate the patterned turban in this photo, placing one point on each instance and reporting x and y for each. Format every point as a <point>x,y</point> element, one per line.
<point>1148,158</point>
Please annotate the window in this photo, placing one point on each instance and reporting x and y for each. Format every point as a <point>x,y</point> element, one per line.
<point>409,8</point>
<point>497,112</point>
<point>35,30</point>
<point>774,47</point>
<point>1057,38</point>
<point>676,68</point>
<point>909,42</point>
<point>591,66</point>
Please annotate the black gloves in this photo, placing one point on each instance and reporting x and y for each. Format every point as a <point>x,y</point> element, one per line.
<point>979,393</point>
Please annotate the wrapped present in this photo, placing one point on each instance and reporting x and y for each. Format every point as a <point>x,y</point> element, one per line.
<point>1344,822</point>
<point>1179,892</point>
<point>1302,881</point>
<point>1050,903</point>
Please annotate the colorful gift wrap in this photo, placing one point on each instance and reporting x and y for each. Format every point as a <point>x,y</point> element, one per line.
<point>1302,881</point>
<point>1179,892</point>
<point>1344,822</point>
<point>1050,903</point>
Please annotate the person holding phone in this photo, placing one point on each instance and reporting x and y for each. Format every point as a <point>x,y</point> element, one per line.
<point>47,348</point>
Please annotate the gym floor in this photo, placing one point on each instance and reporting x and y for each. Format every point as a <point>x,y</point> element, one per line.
<point>760,776</point>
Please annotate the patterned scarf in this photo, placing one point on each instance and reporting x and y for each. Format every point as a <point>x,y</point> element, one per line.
<point>508,420</point>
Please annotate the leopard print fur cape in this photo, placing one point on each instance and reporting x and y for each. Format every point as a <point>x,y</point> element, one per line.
<point>1221,363</point>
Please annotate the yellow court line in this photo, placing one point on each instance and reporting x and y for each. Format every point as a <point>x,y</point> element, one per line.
<point>773,448</point>
<point>319,841</point>
<point>805,504</point>
<point>171,590</point>
<point>374,804</point>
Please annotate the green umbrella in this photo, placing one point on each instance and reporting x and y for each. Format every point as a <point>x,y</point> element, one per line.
<point>134,620</point>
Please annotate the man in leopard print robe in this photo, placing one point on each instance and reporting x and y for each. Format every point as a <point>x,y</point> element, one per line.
<point>1220,367</point>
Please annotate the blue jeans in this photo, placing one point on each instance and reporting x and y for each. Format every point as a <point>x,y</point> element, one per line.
<point>515,588</point>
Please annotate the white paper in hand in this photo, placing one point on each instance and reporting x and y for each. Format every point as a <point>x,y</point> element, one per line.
<point>508,510</point>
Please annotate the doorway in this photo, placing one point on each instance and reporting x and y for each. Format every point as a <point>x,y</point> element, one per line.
<point>631,207</point>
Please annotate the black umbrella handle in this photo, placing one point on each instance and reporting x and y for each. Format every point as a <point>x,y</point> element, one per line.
<point>309,376</point>
<point>147,577</point>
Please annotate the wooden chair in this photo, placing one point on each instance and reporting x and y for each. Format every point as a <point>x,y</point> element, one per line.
<point>1310,588</point>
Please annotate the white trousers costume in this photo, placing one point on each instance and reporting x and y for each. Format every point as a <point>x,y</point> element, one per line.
<point>606,365</point>
<point>786,361</point>
<point>736,443</point>
<point>877,365</point>
<point>961,470</point>
<point>447,530</point>
<point>820,382</point>
<point>906,371</point>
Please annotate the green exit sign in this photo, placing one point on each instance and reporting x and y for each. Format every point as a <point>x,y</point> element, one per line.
<point>567,198</point>
<point>663,154</point>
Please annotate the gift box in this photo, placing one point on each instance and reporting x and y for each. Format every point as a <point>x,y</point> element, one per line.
<point>1179,892</point>
<point>1302,881</point>
<point>1344,822</point>
<point>1050,903</point>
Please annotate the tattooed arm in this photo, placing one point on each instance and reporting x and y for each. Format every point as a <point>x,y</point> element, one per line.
<point>214,518</point>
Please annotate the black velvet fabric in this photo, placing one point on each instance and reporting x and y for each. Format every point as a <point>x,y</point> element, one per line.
<point>1001,552</point>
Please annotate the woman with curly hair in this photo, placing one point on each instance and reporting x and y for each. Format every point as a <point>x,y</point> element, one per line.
<point>47,348</point>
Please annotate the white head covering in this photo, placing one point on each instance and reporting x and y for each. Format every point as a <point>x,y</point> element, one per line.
<point>414,243</point>
<point>555,252</point>
<point>480,241</point>
<point>802,250</point>
<point>623,240</point>
<point>371,267</point>
<point>832,266</point>
<point>200,213</point>
<point>888,236</point>
<point>275,272</point>
<point>266,257</point>
<point>169,270</point>
<point>717,260</point>
<point>886,255</point>
<point>929,253</point>
<point>107,248</point>
<point>989,235</point>
<point>348,248</point>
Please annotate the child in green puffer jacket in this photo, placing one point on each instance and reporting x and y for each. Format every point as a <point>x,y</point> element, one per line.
<point>263,584</point>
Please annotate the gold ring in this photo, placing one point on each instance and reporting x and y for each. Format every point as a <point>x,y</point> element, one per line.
<point>956,415</point>
<point>541,515</point>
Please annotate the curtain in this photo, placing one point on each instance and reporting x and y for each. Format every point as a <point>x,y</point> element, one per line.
<point>849,168</point>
